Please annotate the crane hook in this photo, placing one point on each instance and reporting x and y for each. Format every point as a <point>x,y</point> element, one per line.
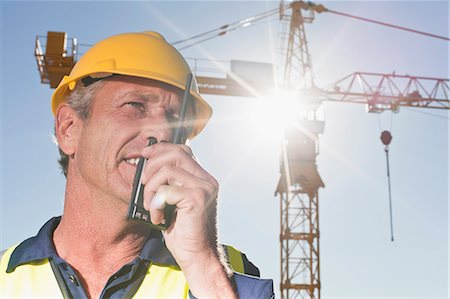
<point>386,138</point>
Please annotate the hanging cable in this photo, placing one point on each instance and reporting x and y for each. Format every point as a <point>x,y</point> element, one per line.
<point>211,37</point>
<point>388,25</point>
<point>378,121</point>
<point>220,31</point>
<point>198,42</point>
<point>392,121</point>
<point>224,28</point>
<point>200,35</point>
<point>426,113</point>
<point>386,138</point>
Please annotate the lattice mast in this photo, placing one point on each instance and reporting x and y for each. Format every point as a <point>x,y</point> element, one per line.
<point>299,181</point>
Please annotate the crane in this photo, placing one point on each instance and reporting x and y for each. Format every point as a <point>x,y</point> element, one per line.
<point>299,180</point>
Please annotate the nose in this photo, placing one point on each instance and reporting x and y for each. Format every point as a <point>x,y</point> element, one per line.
<point>157,125</point>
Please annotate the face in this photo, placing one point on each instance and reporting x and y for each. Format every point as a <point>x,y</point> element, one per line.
<point>126,111</point>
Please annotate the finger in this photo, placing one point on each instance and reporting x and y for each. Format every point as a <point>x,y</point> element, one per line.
<point>148,196</point>
<point>165,194</point>
<point>162,147</point>
<point>174,176</point>
<point>158,201</point>
<point>162,162</point>
<point>163,177</point>
<point>175,156</point>
<point>157,204</point>
<point>178,187</point>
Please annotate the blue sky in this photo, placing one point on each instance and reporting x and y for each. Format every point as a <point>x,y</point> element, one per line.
<point>357,258</point>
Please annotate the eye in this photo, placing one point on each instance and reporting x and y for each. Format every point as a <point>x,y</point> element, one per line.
<point>175,116</point>
<point>172,117</point>
<point>136,105</point>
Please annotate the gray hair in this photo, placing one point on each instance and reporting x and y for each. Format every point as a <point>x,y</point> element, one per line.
<point>80,100</point>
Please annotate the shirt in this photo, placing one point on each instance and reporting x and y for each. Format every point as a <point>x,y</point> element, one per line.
<point>125,282</point>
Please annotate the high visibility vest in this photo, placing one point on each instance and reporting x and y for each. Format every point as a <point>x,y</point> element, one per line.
<point>37,280</point>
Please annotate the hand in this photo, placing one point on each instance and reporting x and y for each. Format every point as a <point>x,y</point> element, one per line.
<point>172,174</point>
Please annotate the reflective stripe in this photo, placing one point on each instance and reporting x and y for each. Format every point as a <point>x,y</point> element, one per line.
<point>33,280</point>
<point>235,259</point>
<point>163,281</point>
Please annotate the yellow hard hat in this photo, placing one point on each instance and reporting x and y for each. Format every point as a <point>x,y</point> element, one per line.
<point>147,55</point>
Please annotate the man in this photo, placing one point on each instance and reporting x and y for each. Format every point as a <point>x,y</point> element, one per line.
<point>123,91</point>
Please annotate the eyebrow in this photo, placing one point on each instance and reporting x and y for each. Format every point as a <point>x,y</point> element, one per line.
<point>150,97</point>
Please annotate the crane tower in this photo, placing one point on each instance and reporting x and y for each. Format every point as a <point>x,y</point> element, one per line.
<point>300,181</point>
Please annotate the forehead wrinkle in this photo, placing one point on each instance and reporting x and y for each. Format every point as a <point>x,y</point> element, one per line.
<point>152,97</point>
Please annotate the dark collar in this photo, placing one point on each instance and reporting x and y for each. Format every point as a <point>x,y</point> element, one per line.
<point>41,247</point>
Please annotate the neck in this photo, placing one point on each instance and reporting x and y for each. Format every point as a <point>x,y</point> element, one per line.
<point>97,237</point>
<point>94,236</point>
<point>96,222</point>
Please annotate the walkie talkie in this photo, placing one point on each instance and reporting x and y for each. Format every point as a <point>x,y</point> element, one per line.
<point>136,211</point>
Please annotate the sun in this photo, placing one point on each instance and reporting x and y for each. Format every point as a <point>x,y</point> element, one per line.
<point>273,114</point>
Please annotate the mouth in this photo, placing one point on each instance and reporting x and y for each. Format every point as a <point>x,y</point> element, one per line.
<point>128,168</point>
<point>132,161</point>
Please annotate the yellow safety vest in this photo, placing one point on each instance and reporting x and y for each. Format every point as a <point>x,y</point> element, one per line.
<point>37,280</point>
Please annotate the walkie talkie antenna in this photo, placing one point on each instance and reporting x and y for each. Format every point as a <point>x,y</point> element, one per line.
<point>136,210</point>
<point>180,130</point>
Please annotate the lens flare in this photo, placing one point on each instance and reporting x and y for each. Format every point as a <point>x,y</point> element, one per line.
<point>273,114</point>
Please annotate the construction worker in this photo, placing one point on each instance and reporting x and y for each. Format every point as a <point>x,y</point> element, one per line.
<point>124,90</point>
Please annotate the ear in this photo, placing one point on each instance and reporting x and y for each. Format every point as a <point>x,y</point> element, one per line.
<point>67,125</point>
